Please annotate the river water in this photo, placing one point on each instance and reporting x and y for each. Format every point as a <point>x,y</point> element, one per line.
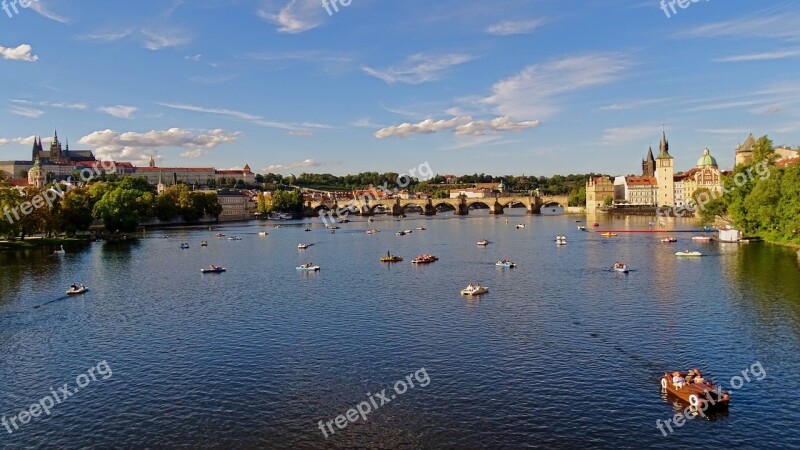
<point>560,353</point>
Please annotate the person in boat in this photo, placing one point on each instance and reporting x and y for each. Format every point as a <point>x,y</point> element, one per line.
<point>82,286</point>
<point>74,287</point>
<point>678,380</point>
<point>697,379</point>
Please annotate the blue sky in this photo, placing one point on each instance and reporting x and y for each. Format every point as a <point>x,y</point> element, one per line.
<point>504,87</point>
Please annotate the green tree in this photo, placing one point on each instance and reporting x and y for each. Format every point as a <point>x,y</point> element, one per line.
<point>764,151</point>
<point>76,211</point>
<point>119,210</point>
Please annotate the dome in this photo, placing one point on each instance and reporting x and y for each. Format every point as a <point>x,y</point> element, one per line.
<point>707,159</point>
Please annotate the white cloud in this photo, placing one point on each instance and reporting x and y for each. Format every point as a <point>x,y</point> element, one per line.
<point>764,56</point>
<point>460,125</point>
<point>119,111</point>
<point>196,153</point>
<point>289,166</point>
<point>535,90</point>
<point>510,27</point>
<point>40,6</point>
<point>60,105</point>
<point>20,53</point>
<point>300,133</point>
<point>24,111</point>
<point>134,146</point>
<point>296,16</point>
<point>419,68</point>
<point>159,40</point>
<point>108,35</point>
<point>195,58</point>
<point>20,140</point>
<point>775,26</point>
<point>252,118</point>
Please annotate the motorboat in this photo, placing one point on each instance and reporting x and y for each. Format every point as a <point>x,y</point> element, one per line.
<point>302,246</point>
<point>309,267</point>
<point>506,264</point>
<point>701,238</point>
<point>407,231</point>
<point>669,239</point>
<point>373,231</point>
<point>688,253</point>
<point>483,242</point>
<point>262,233</point>
<point>609,234</point>
<point>61,252</point>
<point>424,259</point>
<point>219,235</point>
<point>521,225</point>
<point>474,289</point>
<point>77,290</point>
<point>582,228</point>
<point>401,233</point>
<point>621,268</point>
<point>389,258</point>
<point>184,246</point>
<point>213,269</point>
<point>700,393</point>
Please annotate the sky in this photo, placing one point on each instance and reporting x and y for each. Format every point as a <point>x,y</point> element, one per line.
<point>533,87</point>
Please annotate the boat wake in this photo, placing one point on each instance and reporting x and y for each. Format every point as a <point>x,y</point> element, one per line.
<point>60,299</point>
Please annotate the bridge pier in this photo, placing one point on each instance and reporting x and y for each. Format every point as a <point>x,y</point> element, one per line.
<point>496,209</point>
<point>429,209</point>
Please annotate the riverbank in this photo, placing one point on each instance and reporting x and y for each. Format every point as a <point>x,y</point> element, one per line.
<point>37,242</point>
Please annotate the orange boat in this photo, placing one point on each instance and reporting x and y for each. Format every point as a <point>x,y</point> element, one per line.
<point>698,392</point>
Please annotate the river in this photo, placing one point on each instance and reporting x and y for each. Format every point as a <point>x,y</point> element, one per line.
<point>560,353</point>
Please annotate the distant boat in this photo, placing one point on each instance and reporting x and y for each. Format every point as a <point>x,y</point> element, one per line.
<point>420,229</point>
<point>483,242</point>
<point>688,253</point>
<point>608,234</point>
<point>619,267</point>
<point>213,269</point>
<point>391,258</point>
<point>424,259</point>
<point>373,231</point>
<point>595,224</point>
<point>308,268</point>
<point>701,238</point>
<point>219,235</point>
<point>77,290</point>
<point>203,243</point>
<point>302,246</point>
<point>184,246</point>
<point>669,239</point>
<point>401,233</point>
<point>561,240</point>
<point>407,231</point>
<point>506,264</point>
<point>474,289</point>
<point>262,233</point>
<point>520,226</point>
<point>234,238</point>
<point>582,228</point>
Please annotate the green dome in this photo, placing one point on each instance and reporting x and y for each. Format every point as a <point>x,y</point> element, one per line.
<point>707,160</point>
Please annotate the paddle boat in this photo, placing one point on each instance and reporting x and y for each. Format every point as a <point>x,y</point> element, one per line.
<point>669,239</point>
<point>262,233</point>
<point>184,246</point>
<point>474,289</point>
<point>308,267</point>
<point>483,242</point>
<point>401,233</point>
<point>522,225</point>
<point>506,264</point>
<point>234,238</point>
<point>77,290</point>
<point>389,258</point>
<point>332,232</point>
<point>213,269</point>
<point>692,388</point>
<point>219,235</point>
<point>203,243</point>
<point>621,268</point>
<point>373,231</point>
<point>421,228</point>
<point>582,228</point>
<point>561,240</point>
<point>688,253</point>
<point>701,238</point>
<point>407,231</point>
<point>61,252</point>
<point>609,234</point>
<point>302,246</point>
<point>424,259</point>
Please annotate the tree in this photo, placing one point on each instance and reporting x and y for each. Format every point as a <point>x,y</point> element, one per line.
<point>763,151</point>
<point>76,211</point>
<point>608,200</point>
<point>578,197</point>
<point>119,210</point>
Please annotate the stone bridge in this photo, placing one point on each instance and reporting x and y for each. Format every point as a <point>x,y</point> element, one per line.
<point>429,206</point>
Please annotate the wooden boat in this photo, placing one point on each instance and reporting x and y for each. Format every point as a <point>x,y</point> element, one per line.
<point>609,234</point>
<point>483,242</point>
<point>391,259</point>
<point>308,268</point>
<point>669,239</point>
<point>78,290</point>
<point>506,264</point>
<point>700,395</point>
<point>621,268</point>
<point>688,253</point>
<point>213,269</point>
<point>424,259</point>
<point>474,289</point>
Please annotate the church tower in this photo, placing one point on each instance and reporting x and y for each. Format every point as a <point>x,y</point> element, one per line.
<point>55,149</point>
<point>649,164</point>
<point>36,176</point>
<point>665,172</point>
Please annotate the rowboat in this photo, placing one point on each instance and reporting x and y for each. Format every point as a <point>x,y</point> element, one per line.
<point>213,269</point>
<point>621,268</point>
<point>424,259</point>
<point>474,289</point>
<point>688,253</point>
<point>308,268</point>
<point>262,233</point>
<point>203,243</point>
<point>669,239</point>
<point>483,242</point>
<point>77,290</point>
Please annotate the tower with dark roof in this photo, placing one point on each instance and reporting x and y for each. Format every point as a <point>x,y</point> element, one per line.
<point>649,164</point>
<point>665,173</point>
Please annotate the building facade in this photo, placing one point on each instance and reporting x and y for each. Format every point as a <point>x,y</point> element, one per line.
<point>597,190</point>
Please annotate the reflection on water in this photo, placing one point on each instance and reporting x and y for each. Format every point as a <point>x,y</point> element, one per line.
<point>561,352</point>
